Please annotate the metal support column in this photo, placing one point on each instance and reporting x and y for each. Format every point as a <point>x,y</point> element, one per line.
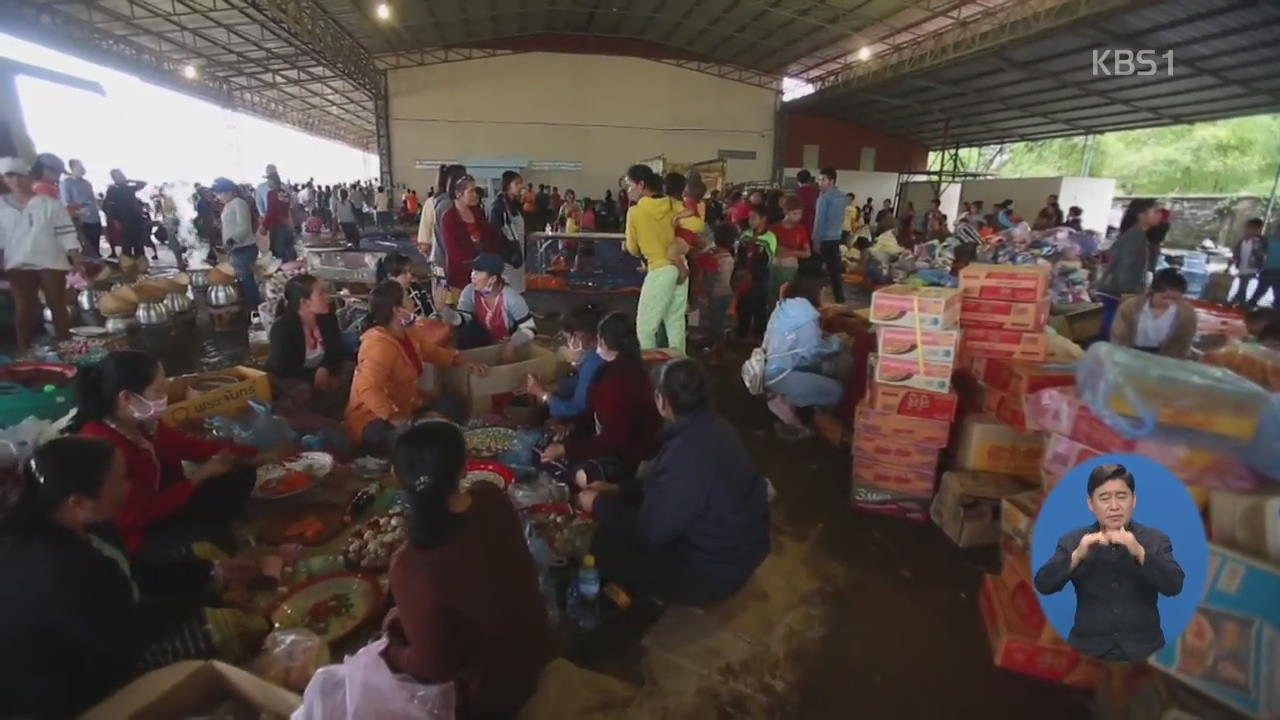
<point>382,124</point>
<point>1271,201</point>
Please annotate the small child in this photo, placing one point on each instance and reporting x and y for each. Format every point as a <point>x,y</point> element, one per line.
<point>756,250</point>
<point>720,280</point>
<point>688,220</point>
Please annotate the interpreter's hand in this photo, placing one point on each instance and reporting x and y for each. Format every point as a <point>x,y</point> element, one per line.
<point>477,369</point>
<point>219,464</point>
<point>508,352</point>
<point>1128,541</point>
<point>1086,542</point>
<point>322,378</point>
<point>534,387</point>
<point>554,451</point>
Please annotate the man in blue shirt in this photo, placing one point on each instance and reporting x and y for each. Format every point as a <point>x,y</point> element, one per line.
<point>569,400</point>
<point>82,204</point>
<point>1269,276</point>
<point>828,226</point>
<point>264,188</point>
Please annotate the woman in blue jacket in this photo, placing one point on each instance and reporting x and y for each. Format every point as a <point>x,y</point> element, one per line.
<point>795,349</point>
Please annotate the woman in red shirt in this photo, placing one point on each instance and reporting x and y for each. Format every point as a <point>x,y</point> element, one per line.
<point>122,400</point>
<point>466,232</point>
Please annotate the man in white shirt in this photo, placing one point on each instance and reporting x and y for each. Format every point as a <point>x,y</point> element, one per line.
<point>238,237</point>
<point>39,245</point>
<point>1247,256</point>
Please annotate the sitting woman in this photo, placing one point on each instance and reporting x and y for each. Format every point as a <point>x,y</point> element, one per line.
<point>491,312</point>
<point>621,426</point>
<point>385,396</point>
<point>468,607</point>
<point>569,400</point>
<point>1160,321</point>
<point>394,266</point>
<point>122,400</point>
<point>795,349</point>
<point>78,626</point>
<point>308,353</point>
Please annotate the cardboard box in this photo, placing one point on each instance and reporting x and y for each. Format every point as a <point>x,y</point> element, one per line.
<point>1248,522</point>
<point>934,346</point>
<point>1016,647</point>
<point>895,451</point>
<point>1004,315</point>
<point>1019,377</point>
<point>1017,516</point>
<point>1018,283</point>
<point>912,373</point>
<point>230,399</point>
<point>987,444</point>
<point>1004,344</point>
<point>489,394</point>
<point>929,308</point>
<point>1061,454</point>
<point>901,481</point>
<point>921,431</point>
<point>967,507</point>
<point>1006,408</point>
<point>1231,648</point>
<point>191,687</point>
<point>887,502</point>
<point>1015,582</point>
<point>912,403</point>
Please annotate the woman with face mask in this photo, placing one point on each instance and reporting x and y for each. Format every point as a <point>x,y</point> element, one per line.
<point>122,400</point>
<point>82,621</point>
<point>569,400</point>
<point>385,397</point>
<point>491,312</point>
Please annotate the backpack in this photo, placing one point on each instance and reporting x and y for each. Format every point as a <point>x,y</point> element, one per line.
<point>753,367</point>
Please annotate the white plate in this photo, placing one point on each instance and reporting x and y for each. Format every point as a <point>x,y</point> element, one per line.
<point>315,464</point>
<point>89,331</point>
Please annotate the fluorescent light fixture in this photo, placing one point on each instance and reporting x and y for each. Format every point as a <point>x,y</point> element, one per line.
<point>864,53</point>
<point>189,72</point>
<point>383,11</point>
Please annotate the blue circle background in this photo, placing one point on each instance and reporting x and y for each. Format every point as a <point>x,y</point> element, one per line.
<point>1162,503</point>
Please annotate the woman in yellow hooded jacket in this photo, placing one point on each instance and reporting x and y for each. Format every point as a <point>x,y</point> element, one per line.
<point>649,235</point>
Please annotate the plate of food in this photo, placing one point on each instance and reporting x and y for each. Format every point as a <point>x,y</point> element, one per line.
<point>370,546</point>
<point>331,607</point>
<point>487,471</point>
<point>489,441</point>
<point>293,476</point>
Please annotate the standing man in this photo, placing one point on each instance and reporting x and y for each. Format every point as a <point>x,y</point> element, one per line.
<point>77,194</point>
<point>1269,275</point>
<point>237,237</point>
<point>1117,567</point>
<point>125,211</point>
<point>808,194</point>
<point>264,189</point>
<point>827,221</point>
<point>1247,256</point>
<point>1051,204</point>
<point>276,223</point>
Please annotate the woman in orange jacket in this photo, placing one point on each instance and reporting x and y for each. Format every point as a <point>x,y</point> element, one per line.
<point>385,397</point>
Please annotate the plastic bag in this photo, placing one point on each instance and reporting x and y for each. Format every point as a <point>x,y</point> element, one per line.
<point>364,687</point>
<point>290,657</point>
<point>1142,395</point>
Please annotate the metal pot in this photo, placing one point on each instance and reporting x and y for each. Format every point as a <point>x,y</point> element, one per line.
<point>88,299</point>
<point>177,302</point>
<point>119,324</point>
<point>199,277</point>
<point>223,295</point>
<point>152,314</point>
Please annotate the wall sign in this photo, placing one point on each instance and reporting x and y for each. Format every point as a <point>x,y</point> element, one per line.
<point>432,164</point>
<point>560,165</point>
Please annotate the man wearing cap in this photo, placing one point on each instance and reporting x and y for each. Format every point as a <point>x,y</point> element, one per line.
<point>45,173</point>
<point>38,242</point>
<point>77,194</point>
<point>123,208</point>
<point>264,187</point>
<point>491,312</point>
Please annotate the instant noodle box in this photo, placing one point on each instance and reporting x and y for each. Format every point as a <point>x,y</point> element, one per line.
<point>1017,515</point>
<point>921,431</point>
<point>934,346</point>
<point>1019,377</point>
<point>888,502</point>
<point>903,482</point>
<point>1006,408</point>
<point>1015,581</point>
<point>1004,315</point>
<point>987,444</point>
<point>895,451</point>
<point>913,373</point>
<point>1016,646</point>
<point>928,308</point>
<point>1017,283</point>
<point>967,507</point>
<point>1061,453</point>
<point>1231,648</point>
<point>912,403</point>
<point>1004,344</point>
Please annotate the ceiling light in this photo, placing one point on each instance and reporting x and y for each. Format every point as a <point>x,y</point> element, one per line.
<point>189,72</point>
<point>864,53</point>
<point>383,11</point>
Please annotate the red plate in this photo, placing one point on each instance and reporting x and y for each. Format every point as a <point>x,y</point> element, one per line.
<point>507,474</point>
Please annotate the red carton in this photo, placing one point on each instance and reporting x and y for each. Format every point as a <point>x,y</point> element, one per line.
<point>935,346</point>
<point>1061,453</point>
<point>1004,344</point>
<point>1019,378</point>
<point>902,482</point>
<point>921,431</point>
<point>1004,315</point>
<point>1015,582</point>
<point>1016,647</point>
<point>887,502</point>
<point>1006,408</point>
<point>912,403</point>
<point>913,373</point>
<point>928,308</point>
<point>1019,283</point>
<point>895,451</point>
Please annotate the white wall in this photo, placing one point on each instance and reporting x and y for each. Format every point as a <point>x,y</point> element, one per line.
<point>606,112</point>
<point>877,185</point>
<point>1093,195</point>
<point>922,193</point>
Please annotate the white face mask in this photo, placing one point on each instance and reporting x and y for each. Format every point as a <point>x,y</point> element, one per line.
<point>144,409</point>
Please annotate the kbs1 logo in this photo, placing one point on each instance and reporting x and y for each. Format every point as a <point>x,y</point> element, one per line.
<point>1128,63</point>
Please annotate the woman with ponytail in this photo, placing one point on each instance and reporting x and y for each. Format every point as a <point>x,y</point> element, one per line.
<point>468,607</point>
<point>74,625</point>
<point>650,232</point>
<point>122,400</point>
<point>307,349</point>
<point>621,426</point>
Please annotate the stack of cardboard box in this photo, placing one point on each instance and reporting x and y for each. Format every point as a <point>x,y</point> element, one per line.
<point>904,422</point>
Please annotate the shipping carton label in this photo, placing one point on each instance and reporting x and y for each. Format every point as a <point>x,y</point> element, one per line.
<point>901,481</point>
<point>937,346</point>
<point>1003,315</point>
<point>912,373</point>
<point>928,308</point>
<point>894,451</point>
<point>887,502</point>
<point>1019,283</point>
<point>1004,344</point>
<point>922,431</point>
<point>1020,378</point>
<point>913,403</point>
<point>226,400</point>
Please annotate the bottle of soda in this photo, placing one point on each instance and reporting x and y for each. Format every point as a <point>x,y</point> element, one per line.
<point>585,595</point>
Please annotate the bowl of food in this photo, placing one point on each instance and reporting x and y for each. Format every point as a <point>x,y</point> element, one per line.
<point>332,607</point>
<point>480,471</point>
<point>370,547</point>
<point>489,441</point>
<point>294,476</point>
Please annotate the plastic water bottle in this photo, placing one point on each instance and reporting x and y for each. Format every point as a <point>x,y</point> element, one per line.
<point>585,595</point>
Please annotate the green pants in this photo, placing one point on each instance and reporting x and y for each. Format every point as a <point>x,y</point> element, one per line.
<point>779,275</point>
<point>663,303</point>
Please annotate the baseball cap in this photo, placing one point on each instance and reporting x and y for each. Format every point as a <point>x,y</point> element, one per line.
<point>487,263</point>
<point>222,184</point>
<point>14,166</point>
<point>51,161</point>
